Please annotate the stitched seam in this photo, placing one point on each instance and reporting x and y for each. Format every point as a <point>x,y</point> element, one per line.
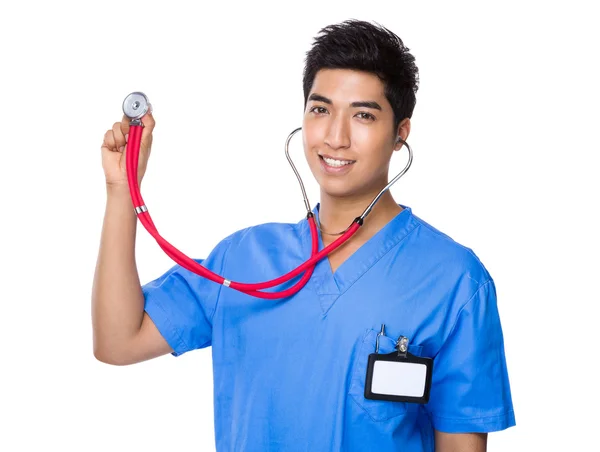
<point>184,281</point>
<point>447,237</point>
<point>225,256</point>
<point>381,257</point>
<point>166,320</point>
<point>460,313</point>
<point>357,398</point>
<point>481,418</point>
<point>358,354</point>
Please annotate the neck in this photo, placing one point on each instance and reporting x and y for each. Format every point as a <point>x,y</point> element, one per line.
<point>336,214</point>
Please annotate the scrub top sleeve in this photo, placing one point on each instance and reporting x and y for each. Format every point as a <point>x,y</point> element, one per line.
<point>181,303</point>
<point>470,389</point>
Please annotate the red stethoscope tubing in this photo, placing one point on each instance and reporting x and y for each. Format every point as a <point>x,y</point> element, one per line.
<point>133,150</point>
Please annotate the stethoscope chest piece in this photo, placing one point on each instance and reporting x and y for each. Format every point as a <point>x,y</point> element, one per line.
<point>136,105</point>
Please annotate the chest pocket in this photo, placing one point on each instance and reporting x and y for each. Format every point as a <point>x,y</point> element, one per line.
<point>378,410</point>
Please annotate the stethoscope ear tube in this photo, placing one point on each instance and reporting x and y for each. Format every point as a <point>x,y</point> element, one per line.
<point>135,106</point>
<point>132,158</point>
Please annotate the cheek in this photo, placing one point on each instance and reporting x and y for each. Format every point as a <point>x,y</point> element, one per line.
<point>376,166</point>
<point>309,144</point>
<point>311,157</point>
<point>314,131</point>
<point>383,160</point>
<point>374,152</point>
<point>306,138</point>
<point>308,153</point>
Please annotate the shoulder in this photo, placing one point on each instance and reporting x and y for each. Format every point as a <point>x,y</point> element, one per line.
<point>454,282</point>
<point>438,251</point>
<point>266,236</point>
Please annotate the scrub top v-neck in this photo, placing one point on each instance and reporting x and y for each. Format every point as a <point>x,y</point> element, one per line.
<point>330,285</point>
<point>289,374</point>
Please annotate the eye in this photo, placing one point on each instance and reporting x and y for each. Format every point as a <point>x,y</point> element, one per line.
<point>317,107</point>
<point>368,116</point>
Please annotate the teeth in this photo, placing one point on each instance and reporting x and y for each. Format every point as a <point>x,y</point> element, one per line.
<point>332,162</point>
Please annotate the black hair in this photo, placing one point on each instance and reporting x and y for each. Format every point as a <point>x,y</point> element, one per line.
<point>359,45</point>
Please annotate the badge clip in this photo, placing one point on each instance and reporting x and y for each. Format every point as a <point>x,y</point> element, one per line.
<point>402,346</point>
<point>398,376</point>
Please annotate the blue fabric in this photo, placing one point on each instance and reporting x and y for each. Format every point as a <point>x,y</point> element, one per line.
<point>290,374</point>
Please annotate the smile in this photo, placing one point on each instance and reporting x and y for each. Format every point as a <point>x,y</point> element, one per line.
<point>332,165</point>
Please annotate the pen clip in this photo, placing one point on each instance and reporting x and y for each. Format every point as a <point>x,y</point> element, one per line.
<point>381,333</point>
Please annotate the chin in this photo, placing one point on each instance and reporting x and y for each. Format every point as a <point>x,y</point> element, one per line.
<point>339,189</point>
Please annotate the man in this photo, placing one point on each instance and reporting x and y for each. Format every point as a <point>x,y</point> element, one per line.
<point>290,374</point>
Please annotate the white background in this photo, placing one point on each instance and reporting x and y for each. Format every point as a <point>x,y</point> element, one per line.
<point>505,136</point>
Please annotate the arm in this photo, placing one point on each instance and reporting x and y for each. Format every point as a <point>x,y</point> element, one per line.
<point>460,442</point>
<point>470,389</point>
<point>122,332</point>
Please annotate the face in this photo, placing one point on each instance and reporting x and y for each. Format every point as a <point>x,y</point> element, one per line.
<point>347,132</point>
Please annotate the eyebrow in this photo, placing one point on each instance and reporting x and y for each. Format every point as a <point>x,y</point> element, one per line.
<point>367,104</point>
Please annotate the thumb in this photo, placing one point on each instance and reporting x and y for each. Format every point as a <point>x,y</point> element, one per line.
<point>149,123</point>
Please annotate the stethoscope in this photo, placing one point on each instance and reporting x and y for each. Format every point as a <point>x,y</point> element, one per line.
<point>135,106</point>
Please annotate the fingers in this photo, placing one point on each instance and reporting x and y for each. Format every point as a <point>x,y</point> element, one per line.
<point>125,124</point>
<point>147,120</point>
<point>119,136</point>
<point>116,139</point>
<point>109,141</point>
<point>149,123</point>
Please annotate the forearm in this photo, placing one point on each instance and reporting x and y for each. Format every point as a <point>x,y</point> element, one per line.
<point>117,298</point>
<point>460,442</point>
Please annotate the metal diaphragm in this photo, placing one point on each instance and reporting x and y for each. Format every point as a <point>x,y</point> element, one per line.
<point>136,105</point>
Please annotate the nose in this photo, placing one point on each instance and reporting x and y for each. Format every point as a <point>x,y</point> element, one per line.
<point>338,136</point>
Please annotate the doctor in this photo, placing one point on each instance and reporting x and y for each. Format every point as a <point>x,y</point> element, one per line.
<point>290,374</point>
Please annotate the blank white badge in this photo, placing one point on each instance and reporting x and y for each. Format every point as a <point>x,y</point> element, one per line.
<point>398,378</point>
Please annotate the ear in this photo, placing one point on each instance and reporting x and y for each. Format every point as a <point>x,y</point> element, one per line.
<point>403,132</point>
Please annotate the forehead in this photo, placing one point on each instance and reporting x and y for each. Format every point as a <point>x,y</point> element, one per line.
<point>347,85</point>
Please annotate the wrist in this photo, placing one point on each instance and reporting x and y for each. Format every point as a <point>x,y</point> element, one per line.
<point>118,189</point>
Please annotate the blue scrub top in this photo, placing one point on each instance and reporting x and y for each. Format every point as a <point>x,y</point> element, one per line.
<point>289,374</point>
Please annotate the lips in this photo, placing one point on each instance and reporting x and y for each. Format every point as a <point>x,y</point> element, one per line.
<point>335,169</point>
<point>336,158</point>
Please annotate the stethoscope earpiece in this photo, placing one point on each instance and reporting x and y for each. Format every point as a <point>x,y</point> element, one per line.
<point>370,207</point>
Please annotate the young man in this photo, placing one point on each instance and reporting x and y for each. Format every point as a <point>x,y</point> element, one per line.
<point>290,374</point>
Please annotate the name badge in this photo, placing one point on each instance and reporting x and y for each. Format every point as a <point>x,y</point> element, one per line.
<point>399,376</point>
